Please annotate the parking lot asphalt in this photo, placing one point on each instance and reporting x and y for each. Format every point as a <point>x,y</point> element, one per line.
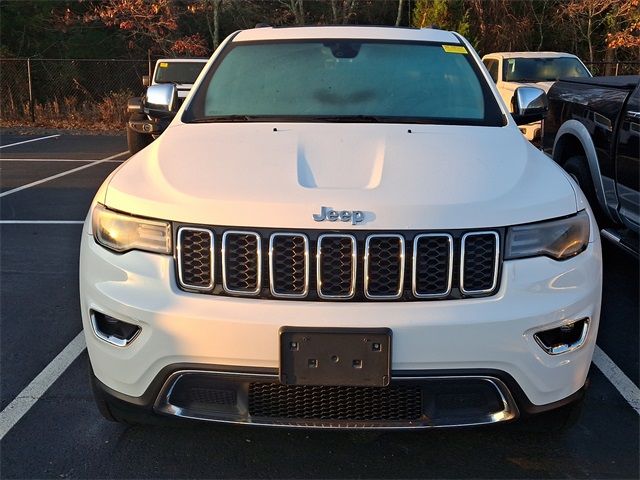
<point>63,435</point>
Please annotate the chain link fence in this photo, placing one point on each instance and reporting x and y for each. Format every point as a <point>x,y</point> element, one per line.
<point>68,92</point>
<point>82,93</point>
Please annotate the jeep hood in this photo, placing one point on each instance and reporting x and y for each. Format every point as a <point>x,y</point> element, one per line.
<point>400,176</point>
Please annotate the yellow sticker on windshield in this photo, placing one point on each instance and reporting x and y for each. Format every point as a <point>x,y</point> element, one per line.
<point>454,48</point>
<point>164,64</point>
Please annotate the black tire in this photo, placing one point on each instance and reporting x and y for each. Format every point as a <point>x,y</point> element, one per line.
<point>578,168</point>
<point>137,141</point>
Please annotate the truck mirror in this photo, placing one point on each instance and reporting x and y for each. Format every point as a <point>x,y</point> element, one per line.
<point>161,100</point>
<point>529,104</point>
<point>146,81</point>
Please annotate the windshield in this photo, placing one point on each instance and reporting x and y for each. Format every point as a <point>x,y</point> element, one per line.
<point>542,69</point>
<point>345,80</point>
<point>178,72</point>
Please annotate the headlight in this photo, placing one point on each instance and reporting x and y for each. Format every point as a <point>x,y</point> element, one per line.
<point>121,232</point>
<point>559,239</point>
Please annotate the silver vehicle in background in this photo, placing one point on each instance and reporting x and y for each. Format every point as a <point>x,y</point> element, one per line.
<point>144,125</point>
<point>511,70</point>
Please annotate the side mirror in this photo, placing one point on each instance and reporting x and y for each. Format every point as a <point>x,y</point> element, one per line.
<point>161,100</point>
<point>529,104</point>
<point>146,80</point>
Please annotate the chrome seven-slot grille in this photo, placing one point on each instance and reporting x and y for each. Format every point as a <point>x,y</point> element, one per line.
<point>359,266</point>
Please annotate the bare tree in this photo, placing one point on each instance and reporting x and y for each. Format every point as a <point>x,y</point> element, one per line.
<point>213,24</point>
<point>342,10</point>
<point>399,16</point>
<point>589,16</point>
<point>538,10</point>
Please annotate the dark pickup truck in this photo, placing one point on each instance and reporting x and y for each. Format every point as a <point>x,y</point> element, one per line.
<point>592,130</point>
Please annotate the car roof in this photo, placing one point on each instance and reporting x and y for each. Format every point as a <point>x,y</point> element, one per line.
<point>347,32</point>
<point>529,55</point>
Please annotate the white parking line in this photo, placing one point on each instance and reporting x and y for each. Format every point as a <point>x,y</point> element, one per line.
<point>618,379</point>
<point>54,160</point>
<point>41,222</point>
<point>39,385</point>
<point>66,172</point>
<point>28,141</point>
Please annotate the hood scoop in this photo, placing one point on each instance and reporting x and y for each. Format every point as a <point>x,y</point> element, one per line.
<point>353,163</point>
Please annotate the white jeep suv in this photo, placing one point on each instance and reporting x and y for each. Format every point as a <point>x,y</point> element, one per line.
<point>341,227</point>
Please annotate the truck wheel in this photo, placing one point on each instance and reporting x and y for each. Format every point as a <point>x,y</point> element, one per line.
<point>578,168</point>
<point>135,140</point>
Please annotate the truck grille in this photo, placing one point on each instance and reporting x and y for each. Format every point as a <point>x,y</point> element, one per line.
<point>241,262</point>
<point>195,258</point>
<point>336,266</point>
<point>479,262</point>
<point>289,264</point>
<point>358,266</point>
<point>432,265</point>
<point>384,266</point>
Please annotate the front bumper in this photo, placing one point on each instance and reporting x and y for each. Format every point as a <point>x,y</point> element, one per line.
<point>149,126</point>
<point>448,337</point>
<point>414,400</point>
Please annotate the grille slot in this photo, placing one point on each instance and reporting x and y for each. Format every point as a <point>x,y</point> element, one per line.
<point>384,266</point>
<point>336,268</point>
<point>274,400</point>
<point>289,265</point>
<point>241,262</point>
<point>195,258</point>
<point>432,265</point>
<point>479,262</point>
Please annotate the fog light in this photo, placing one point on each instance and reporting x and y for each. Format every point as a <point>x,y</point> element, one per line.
<point>113,331</point>
<point>563,339</point>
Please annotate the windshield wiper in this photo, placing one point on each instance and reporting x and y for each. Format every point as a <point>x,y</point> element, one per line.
<point>225,118</point>
<point>292,118</point>
<point>348,118</point>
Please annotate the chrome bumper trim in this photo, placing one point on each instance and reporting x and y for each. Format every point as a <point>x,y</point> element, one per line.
<point>163,406</point>
<point>110,339</point>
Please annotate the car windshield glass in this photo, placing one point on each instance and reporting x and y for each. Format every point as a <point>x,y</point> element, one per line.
<point>345,80</point>
<point>178,72</point>
<point>542,69</point>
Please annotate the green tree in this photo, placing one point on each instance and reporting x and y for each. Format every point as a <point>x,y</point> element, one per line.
<point>41,29</point>
<point>448,15</point>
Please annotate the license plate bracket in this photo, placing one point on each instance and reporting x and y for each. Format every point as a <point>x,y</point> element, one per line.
<point>335,356</point>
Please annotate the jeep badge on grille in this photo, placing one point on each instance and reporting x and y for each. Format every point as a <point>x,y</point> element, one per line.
<point>326,213</point>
